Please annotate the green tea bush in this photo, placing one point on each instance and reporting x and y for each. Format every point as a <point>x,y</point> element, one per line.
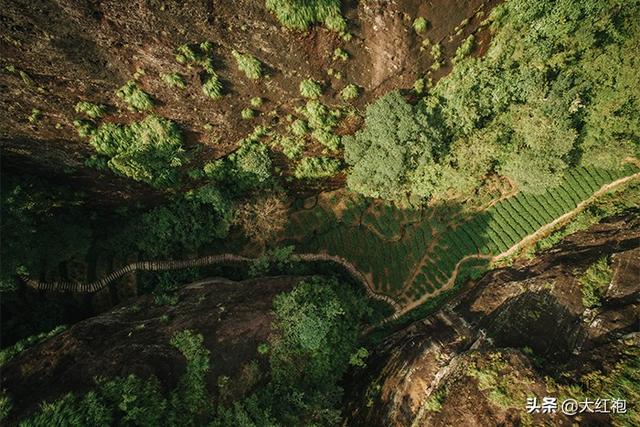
<point>248,64</point>
<point>149,151</point>
<point>309,88</point>
<point>135,98</point>
<point>91,110</point>
<point>316,167</point>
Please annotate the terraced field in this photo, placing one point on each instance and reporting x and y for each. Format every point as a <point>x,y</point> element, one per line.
<point>409,255</point>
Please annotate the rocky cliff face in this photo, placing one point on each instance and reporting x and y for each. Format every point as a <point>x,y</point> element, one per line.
<point>233,317</point>
<point>58,53</point>
<point>522,331</point>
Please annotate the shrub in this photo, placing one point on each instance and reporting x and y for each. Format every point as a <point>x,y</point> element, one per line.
<point>247,114</point>
<point>341,54</point>
<point>291,147</point>
<point>299,15</point>
<point>135,98</point>
<point>35,116</point>
<point>256,102</point>
<point>149,151</point>
<point>8,353</point>
<point>90,110</point>
<point>196,54</point>
<point>134,401</point>
<point>248,64</point>
<point>349,92</point>
<point>464,49</point>
<point>299,127</point>
<point>392,154</point>
<point>419,86</point>
<point>436,52</point>
<point>316,167</point>
<point>84,127</point>
<point>263,218</point>
<point>212,86</point>
<point>594,282</point>
<point>420,25</point>
<point>174,80</point>
<point>309,88</point>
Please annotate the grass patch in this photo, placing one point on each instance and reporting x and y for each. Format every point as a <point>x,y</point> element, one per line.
<point>310,88</point>
<point>349,92</point>
<point>91,110</point>
<point>174,80</point>
<point>464,49</point>
<point>420,25</point>
<point>316,167</point>
<point>247,114</point>
<point>211,85</point>
<point>594,282</point>
<point>300,15</point>
<point>340,54</point>
<point>135,98</point>
<point>248,64</point>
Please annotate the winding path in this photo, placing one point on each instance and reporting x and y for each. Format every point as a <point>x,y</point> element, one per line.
<point>88,287</point>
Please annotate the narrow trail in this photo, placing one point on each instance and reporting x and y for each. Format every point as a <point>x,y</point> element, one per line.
<point>89,287</point>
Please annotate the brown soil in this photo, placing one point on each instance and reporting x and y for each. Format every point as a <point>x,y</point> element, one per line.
<point>86,50</point>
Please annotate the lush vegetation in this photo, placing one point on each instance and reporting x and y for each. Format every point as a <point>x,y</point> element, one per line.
<point>314,341</point>
<point>300,14</point>
<point>412,253</point>
<point>349,92</point>
<point>555,90</point>
<point>316,167</point>
<point>41,223</point>
<point>149,151</point>
<point>91,110</point>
